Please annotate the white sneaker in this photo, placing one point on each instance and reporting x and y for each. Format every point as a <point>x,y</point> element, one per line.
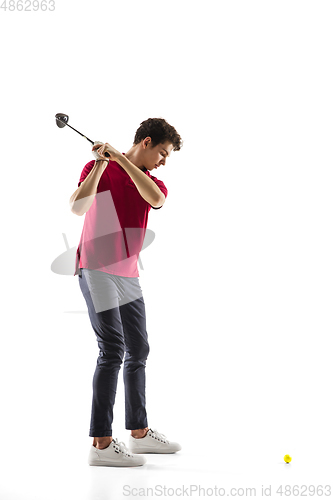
<point>153,442</point>
<point>115,455</point>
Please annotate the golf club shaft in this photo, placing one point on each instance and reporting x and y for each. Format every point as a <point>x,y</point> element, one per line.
<point>92,142</point>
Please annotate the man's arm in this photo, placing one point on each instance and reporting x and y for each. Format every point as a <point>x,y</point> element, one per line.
<point>82,199</point>
<point>147,188</point>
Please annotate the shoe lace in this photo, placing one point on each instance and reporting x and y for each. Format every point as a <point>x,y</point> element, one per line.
<point>120,447</point>
<point>158,435</point>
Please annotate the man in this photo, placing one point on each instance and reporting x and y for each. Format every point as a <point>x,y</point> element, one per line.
<point>116,193</point>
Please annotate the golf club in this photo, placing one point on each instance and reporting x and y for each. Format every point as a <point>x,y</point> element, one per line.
<point>62,120</point>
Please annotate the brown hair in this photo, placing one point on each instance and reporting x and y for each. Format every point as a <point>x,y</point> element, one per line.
<point>159,130</point>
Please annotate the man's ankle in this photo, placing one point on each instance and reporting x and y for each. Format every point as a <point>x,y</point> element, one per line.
<point>138,434</point>
<point>101,444</point>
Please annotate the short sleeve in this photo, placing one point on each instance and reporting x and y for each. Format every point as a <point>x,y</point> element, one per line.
<point>86,171</point>
<point>162,187</point>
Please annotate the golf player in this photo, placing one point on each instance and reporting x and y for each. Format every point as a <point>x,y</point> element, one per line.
<point>116,194</point>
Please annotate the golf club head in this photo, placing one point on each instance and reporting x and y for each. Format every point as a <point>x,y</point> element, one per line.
<point>61,120</point>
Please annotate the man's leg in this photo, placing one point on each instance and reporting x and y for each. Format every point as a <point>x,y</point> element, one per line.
<point>133,317</point>
<point>109,333</point>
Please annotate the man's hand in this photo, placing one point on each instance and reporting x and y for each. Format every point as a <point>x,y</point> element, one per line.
<point>102,148</point>
<point>96,146</point>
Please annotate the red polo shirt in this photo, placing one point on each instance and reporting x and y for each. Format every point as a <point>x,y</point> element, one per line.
<point>115,225</point>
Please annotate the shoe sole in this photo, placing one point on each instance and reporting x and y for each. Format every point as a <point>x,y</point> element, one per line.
<point>157,452</point>
<point>154,452</point>
<point>107,464</point>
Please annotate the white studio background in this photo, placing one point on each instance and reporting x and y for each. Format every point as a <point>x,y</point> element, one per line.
<point>238,281</point>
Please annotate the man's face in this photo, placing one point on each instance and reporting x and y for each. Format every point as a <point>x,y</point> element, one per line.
<point>155,157</point>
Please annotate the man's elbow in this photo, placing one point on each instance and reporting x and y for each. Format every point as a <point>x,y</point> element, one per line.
<point>72,204</point>
<point>160,202</point>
